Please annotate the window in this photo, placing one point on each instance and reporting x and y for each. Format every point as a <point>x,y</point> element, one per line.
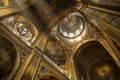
<point>77,32</point>
<point>65,34</point>
<point>71,35</point>
<point>22,28</point>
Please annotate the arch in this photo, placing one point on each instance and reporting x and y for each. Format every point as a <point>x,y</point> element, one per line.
<point>9,59</point>
<point>21,27</point>
<point>93,62</point>
<point>49,77</point>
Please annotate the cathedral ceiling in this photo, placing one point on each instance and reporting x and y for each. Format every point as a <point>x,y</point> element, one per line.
<point>63,29</point>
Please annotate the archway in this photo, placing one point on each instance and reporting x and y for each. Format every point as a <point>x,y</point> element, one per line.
<point>93,62</point>
<point>9,58</point>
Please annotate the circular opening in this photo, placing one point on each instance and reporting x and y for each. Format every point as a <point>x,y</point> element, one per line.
<point>71,26</point>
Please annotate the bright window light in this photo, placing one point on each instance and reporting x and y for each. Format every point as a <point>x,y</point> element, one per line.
<point>77,32</point>
<point>65,34</point>
<point>81,27</point>
<point>71,35</point>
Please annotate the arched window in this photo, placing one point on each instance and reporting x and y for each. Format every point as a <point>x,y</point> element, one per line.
<point>22,28</point>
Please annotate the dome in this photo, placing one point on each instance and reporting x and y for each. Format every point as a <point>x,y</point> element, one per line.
<point>71,26</point>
